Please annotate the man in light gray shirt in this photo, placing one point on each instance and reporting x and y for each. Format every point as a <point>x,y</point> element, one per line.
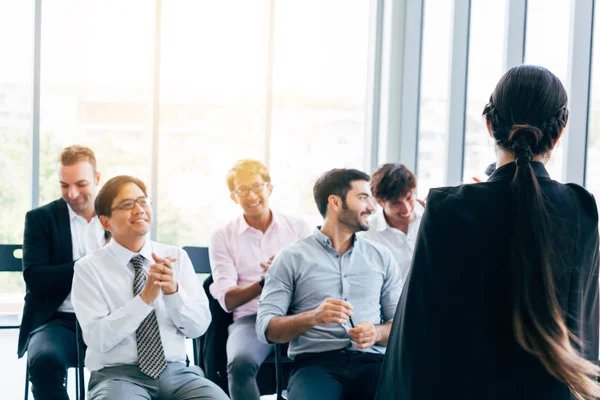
<point>333,296</point>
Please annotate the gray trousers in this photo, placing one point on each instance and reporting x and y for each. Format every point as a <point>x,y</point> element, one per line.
<point>245,354</point>
<point>177,382</point>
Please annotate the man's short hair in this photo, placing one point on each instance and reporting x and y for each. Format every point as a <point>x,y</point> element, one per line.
<point>247,166</point>
<point>335,182</point>
<point>76,153</point>
<point>110,191</point>
<point>391,181</point>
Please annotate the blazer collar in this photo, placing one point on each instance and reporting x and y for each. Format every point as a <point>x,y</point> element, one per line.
<point>63,220</point>
<point>507,172</point>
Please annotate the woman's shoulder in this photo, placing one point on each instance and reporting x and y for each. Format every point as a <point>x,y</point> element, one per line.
<point>467,195</point>
<point>584,201</point>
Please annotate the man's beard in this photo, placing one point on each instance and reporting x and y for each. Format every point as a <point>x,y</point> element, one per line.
<point>353,221</point>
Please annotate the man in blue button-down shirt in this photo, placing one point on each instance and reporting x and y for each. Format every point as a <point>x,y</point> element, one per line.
<point>333,296</point>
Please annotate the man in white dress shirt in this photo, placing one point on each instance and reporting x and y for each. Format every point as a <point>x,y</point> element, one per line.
<point>396,222</point>
<point>56,235</point>
<point>136,301</point>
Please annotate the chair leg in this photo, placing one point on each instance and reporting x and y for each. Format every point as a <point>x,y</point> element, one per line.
<point>26,396</point>
<point>278,372</point>
<point>81,379</point>
<point>195,351</point>
<point>79,373</point>
<point>76,384</point>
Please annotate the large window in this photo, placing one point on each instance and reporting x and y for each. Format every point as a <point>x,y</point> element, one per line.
<point>435,87</point>
<point>547,44</point>
<point>319,92</point>
<point>16,121</point>
<point>592,179</point>
<point>16,108</point>
<point>212,111</point>
<point>486,66</point>
<point>96,86</point>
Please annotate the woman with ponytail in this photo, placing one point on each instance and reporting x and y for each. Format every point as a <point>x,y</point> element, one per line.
<point>502,298</point>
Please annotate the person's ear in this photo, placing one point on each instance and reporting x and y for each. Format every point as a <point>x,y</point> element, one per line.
<point>334,203</point>
<point>234,198</point>
<point>105,221</point>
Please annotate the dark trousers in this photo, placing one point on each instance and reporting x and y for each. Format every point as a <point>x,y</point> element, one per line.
<point>51,351</point>
<point>335,375</point>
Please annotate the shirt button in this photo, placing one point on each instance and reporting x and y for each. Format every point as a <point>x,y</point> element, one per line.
<point>337,256</point>
<point>345,299</point>
<point>344,275</point>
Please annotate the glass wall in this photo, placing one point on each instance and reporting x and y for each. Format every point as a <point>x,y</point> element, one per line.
<point>435,88</point>
<point>96,86</point>
<point>486,66</point>
<point>319,93</point>
<point>212,111</point>
<point>547,44</point>
<point>16,110</point>
<point>592,177</point>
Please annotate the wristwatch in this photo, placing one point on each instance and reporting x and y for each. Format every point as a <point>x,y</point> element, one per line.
<point>261,281</point>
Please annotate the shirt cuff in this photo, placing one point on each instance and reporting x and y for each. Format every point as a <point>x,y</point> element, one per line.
<point>261,327</point>
<point>176,300</point>
<point>139,306</point>
<point>218,290</point>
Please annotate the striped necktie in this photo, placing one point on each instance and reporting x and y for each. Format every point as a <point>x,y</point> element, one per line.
<point>150,351</point>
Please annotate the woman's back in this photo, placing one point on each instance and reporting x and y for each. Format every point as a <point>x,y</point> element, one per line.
<point>453,334</point>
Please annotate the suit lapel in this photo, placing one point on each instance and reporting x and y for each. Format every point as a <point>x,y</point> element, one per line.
<point>61,212</point>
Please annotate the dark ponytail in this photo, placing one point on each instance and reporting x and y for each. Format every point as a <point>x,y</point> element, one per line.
<point>527,113</point>
<point>538,322</point>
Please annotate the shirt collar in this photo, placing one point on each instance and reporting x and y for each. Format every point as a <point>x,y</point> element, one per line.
<point>507,171</point>
<point>124,255</point>
<point>324,239</point>
<point>243,225</point>
<point>73,215</point>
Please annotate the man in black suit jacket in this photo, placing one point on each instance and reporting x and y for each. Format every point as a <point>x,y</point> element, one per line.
<point>55,236</point>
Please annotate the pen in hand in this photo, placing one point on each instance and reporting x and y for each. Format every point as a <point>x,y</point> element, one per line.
<point>351,322</point>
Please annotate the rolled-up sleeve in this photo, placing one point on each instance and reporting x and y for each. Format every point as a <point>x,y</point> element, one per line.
<point>188,307</point>
<point>276,294</point>
<point>224,273</point>
<point>392,287</point>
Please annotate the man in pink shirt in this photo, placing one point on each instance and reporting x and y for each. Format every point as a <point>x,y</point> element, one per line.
<point>240,254</point>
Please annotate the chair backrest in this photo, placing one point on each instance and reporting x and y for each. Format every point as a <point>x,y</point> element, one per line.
<point>199,257</point>
<point>11,257</point>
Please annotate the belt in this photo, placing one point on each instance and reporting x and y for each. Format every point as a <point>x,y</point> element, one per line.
<point>64,316</point>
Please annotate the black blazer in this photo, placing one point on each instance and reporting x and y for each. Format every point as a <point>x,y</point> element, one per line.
<point>47,266</point>
<point>452,334</point>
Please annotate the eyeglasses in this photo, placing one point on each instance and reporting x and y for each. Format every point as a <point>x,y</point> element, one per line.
<point>129,204</point>
<point>256,188</point>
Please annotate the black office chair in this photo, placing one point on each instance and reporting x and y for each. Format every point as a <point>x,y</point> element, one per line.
<point>213,359</point>
<point>79,373</point>
<point>215,367</point>
<point>11,260</point>
<point>199,258</point>
<point>280,360</point>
